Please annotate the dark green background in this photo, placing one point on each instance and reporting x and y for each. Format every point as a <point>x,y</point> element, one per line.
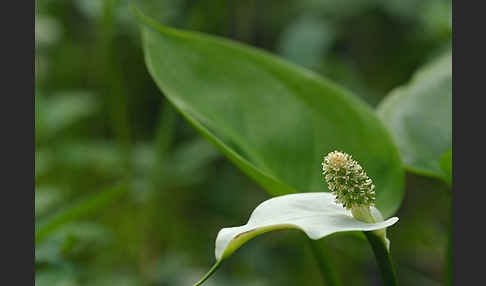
<point>101,122</point>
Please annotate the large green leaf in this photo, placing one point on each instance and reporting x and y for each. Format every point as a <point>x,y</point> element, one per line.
<point>272,119</point>
<point>419,115</point>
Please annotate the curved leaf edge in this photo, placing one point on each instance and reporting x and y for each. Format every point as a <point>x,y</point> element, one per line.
<point>390,100</point>
<point>395,94</point>
<point>274,186</point>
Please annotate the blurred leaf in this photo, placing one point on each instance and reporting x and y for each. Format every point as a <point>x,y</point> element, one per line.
<point>419,115</point>
<point>164,136</point>
<point>341,9</point>
<point>87,206</point>
<point>186,165</point>
<point>47,30</point>
<point>446,166</point>
<point>401,9</point>
<point>191,157</point>
<point>273,120</point>
<point>58,277</point>
<point>43,162</point>
<point>118,278</point>
<point>77,237</point>
<point>144,158</point>
<point>55,113</point>
<point>45,199</point>
<point>316,214</point>
<point>91,8</point>
<point>305,41</point>
<point>100,156</point>
<point>437,17</point>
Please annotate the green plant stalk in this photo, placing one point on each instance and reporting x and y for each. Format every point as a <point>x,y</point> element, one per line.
<point>210,272</point>
<point>327,269</point>
<point>383,258</point>
<point>152,213</point>
<point>318,248</point>
<point>165,133</point>
<point>116,94</point>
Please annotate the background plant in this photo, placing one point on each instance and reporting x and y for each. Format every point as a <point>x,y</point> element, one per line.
<point>105,122</point>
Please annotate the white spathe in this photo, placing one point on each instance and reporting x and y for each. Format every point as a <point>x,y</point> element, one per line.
<point>316,214</point>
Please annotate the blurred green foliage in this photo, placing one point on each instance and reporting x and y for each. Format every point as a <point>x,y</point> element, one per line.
<point>101,122</point>
<point>419,115</point>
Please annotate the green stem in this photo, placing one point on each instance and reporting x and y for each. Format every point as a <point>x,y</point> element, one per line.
<point>113,82</point>
<point>210,272</point>
<point>383,258</point>
<point>164,136</point>
<point>327,269</point>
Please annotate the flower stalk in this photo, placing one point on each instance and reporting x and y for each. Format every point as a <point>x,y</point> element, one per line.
<point>210,272</point>
<point>383,258</point>
<point>354,190</point>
